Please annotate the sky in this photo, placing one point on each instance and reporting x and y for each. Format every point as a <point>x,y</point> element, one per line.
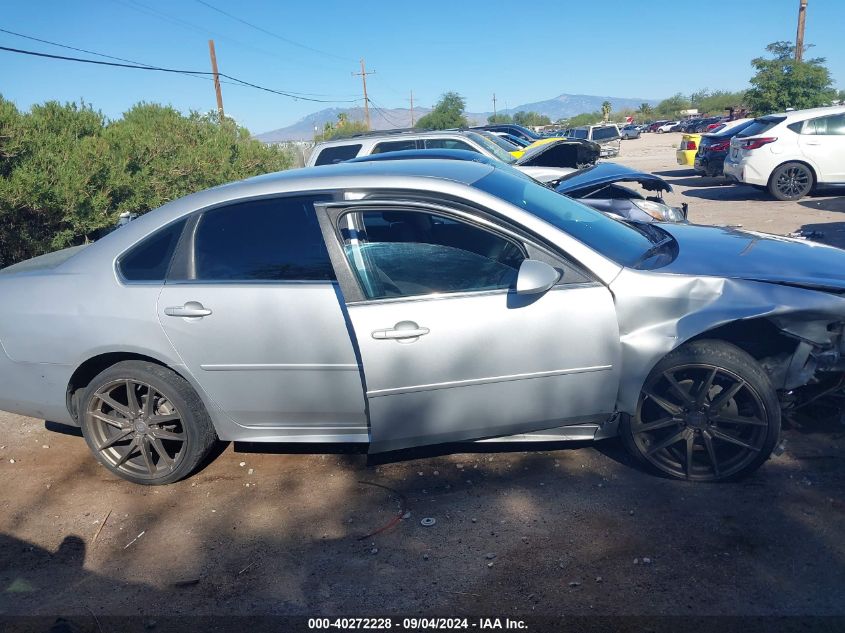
<point>523,51</point>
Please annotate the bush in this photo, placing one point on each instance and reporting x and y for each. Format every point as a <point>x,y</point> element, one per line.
<point>66,173</point>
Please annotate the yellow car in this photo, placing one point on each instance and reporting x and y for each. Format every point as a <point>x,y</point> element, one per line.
<point>543,141</point>
<point>688,149</point>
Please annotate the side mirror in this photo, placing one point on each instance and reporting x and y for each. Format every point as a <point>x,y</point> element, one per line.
<point>535,277</point>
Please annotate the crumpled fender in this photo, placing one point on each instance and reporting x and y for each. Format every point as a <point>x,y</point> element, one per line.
<point>657,313</point>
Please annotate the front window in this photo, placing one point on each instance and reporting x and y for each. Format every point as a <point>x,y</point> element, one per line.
<point>625,243</point>
<point>412,253</point>
<point>826,125</point>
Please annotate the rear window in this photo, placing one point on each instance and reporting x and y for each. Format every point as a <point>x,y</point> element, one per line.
<point>395,146</point>
<point>761,126</point>
<point>337,154</point>
<point>605,133</point>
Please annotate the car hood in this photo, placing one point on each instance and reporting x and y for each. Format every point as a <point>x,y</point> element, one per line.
<point>724,252</point>
<point>608,173</point>
<point>561,153</point>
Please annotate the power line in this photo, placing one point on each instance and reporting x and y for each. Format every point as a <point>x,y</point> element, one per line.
<point>150,11</point>
<point>270,33</point>
<point>384,114</point>
<point>172,70</point>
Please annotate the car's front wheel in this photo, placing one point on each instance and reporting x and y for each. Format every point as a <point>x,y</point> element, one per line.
<point>791,181</point>
<point>707,412</point>
<point>145,423</point>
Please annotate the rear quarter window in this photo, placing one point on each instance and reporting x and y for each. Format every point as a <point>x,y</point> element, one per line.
<point>149,260</point>
<point>337,154</point>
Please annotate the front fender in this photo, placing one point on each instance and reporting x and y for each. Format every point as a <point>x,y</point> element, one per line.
<point>658,313</point>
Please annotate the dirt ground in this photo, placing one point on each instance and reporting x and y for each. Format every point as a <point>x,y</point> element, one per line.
<point>562,530</point>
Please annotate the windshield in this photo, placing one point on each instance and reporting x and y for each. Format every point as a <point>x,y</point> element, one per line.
<point>504,143</point>
<point>491,147</point>
<point>626,244</point>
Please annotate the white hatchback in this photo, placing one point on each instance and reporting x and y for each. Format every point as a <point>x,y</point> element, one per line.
<point>790,153</point>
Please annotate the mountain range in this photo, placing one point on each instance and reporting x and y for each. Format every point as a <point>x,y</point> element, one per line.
<point>562,106</point>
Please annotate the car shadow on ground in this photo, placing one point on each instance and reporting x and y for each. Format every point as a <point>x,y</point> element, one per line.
<point>830,233</point>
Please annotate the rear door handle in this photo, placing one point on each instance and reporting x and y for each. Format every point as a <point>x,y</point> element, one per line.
<point>190,309</point>
<point>404,330</point>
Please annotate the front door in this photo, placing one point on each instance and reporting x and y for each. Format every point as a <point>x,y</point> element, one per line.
<point>449,351</point>
<point>822,141</point>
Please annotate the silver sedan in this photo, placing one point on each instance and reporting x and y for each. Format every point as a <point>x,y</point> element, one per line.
<point>418,302</point>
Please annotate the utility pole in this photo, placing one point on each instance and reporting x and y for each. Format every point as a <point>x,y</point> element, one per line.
<point>799,37</point>
<point>363,74</point>
<point>494,106</point>
<point>412,108</point>
<point>216,79</point>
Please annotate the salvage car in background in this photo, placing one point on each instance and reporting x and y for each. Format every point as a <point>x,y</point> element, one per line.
<point>547,161</point>
<point>606,135</point>
<point>687,149</point>
<point>629,131</point>
<point>713,149</point>
<point>603,187</point>
<point>410,303</point>
<point>790,153</point>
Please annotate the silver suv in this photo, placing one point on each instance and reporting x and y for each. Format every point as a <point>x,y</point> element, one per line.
<point>607,136</point>
<point>370,143</point>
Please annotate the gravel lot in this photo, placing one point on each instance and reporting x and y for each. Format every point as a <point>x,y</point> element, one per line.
<point>564,530</point>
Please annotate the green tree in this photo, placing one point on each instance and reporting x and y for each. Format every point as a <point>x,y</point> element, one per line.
<point>671,108</point>
<point>586,118</point>
<point>645,110</point>
<point>605,110</point>
<point>344,128</point>
<point>782,82</point>
<point>448,113</point>
<point>67,172</point>
<point>530,119</point>
<point>499,118</point>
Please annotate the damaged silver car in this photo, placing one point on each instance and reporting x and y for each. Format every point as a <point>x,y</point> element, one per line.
<point>418,302</point>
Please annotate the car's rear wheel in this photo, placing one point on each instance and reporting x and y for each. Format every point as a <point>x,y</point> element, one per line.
<point>791,181</point>
<point>145,423</point>
<point>707,412</point>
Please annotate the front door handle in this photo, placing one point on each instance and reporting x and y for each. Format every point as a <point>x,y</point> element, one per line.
<point>402,331</point>
<point>190,309</point>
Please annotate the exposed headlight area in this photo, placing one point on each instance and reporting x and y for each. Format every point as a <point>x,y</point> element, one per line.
<point>659,211</point>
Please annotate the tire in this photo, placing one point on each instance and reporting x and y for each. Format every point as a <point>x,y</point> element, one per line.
<point>791,181</point>
<point>721,434</point>
<point>659,131</point>
<point>151,445</point>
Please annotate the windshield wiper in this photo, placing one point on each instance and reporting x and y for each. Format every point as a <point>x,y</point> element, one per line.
<point>654,250</point>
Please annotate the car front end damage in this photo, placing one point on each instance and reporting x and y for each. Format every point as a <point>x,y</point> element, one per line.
<point>795,332</point>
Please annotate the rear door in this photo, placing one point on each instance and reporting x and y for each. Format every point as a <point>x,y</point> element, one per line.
<point>449,351</point>
<point>252,307</point>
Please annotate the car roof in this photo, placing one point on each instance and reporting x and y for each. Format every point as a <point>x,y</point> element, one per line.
<point>388,135</point>
<point>806,114</point>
